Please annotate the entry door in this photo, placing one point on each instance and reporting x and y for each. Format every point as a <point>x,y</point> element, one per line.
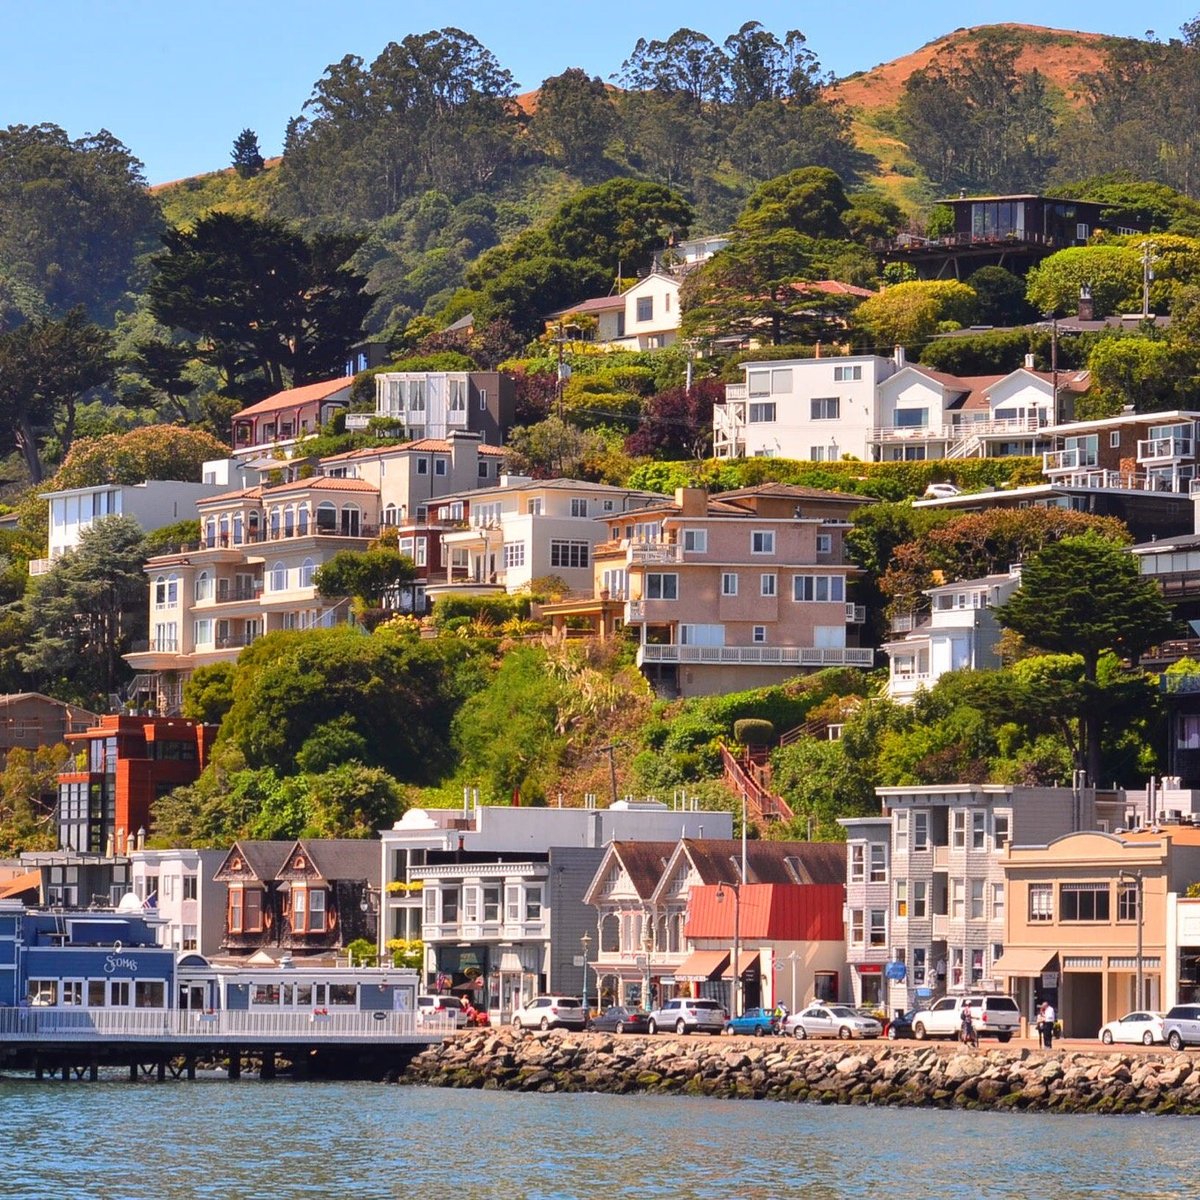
<point>191,997</point>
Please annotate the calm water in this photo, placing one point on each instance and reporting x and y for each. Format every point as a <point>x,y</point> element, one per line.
<point>215,1139</point>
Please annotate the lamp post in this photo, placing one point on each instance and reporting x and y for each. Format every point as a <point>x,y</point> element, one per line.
<point>585,942</point>
<point>1139,895</point>
<point>795,954</point>
<point>736,889</point>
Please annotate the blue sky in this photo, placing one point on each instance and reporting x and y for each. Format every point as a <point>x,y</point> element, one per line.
<point>176,82</point>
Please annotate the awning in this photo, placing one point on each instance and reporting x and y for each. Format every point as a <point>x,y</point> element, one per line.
<point>702,965</point>
<point>510,961</point>
<point>746,959</point>
<point>1023,961</point>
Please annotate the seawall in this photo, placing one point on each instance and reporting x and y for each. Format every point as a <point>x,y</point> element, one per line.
<point>876,1072</point>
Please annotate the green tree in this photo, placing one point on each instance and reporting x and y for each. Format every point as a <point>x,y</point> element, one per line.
<point>1084,595</point>
<point>208,693</point>
<point>375,578</point>
<point>270,308</point>
<point>1113,273</point>
<point>29,798</point>
<point>75,215</point>
<point>1000,297</point>
<point>909,314</point>
<point>1147,374</point>
<point>574,119</point>
<point>809,200</point>
<point>85,611</point>
<point>247,158</point>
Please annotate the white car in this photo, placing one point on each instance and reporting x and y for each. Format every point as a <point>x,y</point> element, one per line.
<point>432,1009</point>
<point>940,491</point>
<point>550,1012</point>
<point>831,1020</point>
<point>1145,1027</point>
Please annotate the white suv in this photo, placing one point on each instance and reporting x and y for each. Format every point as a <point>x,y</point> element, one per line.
<point>685,1015</point>
<point>548,1012</point>
<point>993,1016</point>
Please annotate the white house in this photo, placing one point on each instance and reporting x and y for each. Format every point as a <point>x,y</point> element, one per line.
<point>643,317</point>
<point>179,886</point>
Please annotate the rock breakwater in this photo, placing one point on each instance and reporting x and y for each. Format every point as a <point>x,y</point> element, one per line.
<point>879,1073</point>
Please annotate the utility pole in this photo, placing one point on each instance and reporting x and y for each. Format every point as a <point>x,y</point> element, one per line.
<point>611,751</point>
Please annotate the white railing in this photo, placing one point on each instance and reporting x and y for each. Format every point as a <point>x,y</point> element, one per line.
<point>1063,460</point>
<point>655,552</point>
<point>960,431</point>
<point>735,391</point>
<point>635,610</point>
<point>795,656</point>
<point>39,566</point>
<point>85,1025</point>
<point>1164,449</point>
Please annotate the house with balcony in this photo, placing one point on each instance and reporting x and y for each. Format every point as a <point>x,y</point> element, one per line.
<point>959,633</point>
<point>121,766</point>
<point>1074,925</point>
<point>495,893</point>
<point>926,884</point>
<point>281,420</point>
<point>303,900</point>
<point>178,886</point>
<point>643,317</point>
<point>728,592</point>
<point>819,409</point>
<point>435,404</point>
<point>499,539</point>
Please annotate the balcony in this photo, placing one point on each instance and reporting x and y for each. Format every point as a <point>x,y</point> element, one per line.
<point>655,552</point>
<point>1165,449</point>
<point>785,656</point>
<point>1056,462</point>
<point>734,392</point>
<point>235,641</point>
<point>160,645</point>
<point>228,593</point>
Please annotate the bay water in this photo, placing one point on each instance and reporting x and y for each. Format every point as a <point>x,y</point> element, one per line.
<point>120,1141</point>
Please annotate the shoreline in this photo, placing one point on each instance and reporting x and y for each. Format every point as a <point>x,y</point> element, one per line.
<point>880,1073</point>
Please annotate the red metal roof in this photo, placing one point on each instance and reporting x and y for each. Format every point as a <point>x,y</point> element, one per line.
<point>785,912</point>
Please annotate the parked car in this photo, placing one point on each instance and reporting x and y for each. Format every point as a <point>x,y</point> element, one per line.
<point>1144,1027</point>
<point>1181,1025</point>
<point>831,1020</point>
<point>447,1007</point>
<point>619,1019</point>
<point>992,1015</point>
<point>758,1021</point>
<point>550,1012</point>
<point>940,491</point>
<point>899,1026</point>
<point>685,1014</point>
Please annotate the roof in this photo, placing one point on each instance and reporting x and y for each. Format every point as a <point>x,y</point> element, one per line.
<point>321,483</point>
<point>253,493</point>
<point>420,446</point>
<point>595,304</point>
<point>265,859</point>
<point>338,858</point>
<point>786,912</point>
<point>643,863</point>
<point>791,491</point>
<point>1171,416</point>
<point>467,321</point>
<point>832,287</point>
<point>310,393</point>
<point>717,859</point>
<point>978,581</point>
<point>30,881</point>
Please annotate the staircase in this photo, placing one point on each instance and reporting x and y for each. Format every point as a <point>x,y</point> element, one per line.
<point>816,728</point>
<point>970,446</point>
<point>751,781</point>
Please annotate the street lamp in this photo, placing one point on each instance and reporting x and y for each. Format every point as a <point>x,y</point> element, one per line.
<point>1139,896</point>
<point>585,942</point>
<point>736,889</point>
<point>795,954</point>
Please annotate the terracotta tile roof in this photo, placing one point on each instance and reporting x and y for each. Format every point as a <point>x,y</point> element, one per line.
<point>295,397</point>
<point>253,493</point>
<point>322,483</point>
<point>422,445</point>
<point>832,287</point>
<point>644,863</point>
<point>30,881</point>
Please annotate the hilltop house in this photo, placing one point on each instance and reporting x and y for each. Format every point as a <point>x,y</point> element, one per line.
<point>643,317</point>
<point>280,420</point>
<point>437,404</point>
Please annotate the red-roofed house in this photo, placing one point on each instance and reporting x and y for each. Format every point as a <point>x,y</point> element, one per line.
<point>289,415</point>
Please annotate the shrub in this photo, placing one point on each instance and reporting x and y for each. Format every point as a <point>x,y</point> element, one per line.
<point>752,732</point>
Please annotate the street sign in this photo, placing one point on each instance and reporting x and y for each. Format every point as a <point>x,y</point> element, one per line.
<point>896,971</point>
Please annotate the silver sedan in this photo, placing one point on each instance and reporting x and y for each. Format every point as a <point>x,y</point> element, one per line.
<point>831,1020</point>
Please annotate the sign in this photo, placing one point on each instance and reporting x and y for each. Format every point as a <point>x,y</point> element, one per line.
<point>778,966</point>
<point>896,971</point>
<point>1049,979</point>
<point>578,961</point>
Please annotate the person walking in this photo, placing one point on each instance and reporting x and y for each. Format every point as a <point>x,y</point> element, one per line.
<point>1048,1018</point>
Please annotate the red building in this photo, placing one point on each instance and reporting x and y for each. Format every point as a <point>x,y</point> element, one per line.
<point>122,765</point>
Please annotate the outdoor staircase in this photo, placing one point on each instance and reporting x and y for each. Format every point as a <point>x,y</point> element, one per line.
<point>751,779</point>
<point>970,446</point>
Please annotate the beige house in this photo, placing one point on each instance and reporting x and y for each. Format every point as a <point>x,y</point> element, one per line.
<point>1072,922</point>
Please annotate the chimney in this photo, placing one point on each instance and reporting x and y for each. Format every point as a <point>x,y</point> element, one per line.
<point>1087,306</point>
<point>1029,360</point>
<point>898,356</point>
<point>692,501</point>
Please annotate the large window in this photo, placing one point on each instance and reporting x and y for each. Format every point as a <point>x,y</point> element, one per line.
<point>279,578</point>
<point>1041,902</point>
<point>662,586</point>
<point>695,541</point>
<point>911,418</point>
<point>819,589</point>
<point>514,555</point>
<point>569,554</point>
<point>826,408</point>
<point>579,506</point>
<point>645,308</point>
<point>1083,902</point>
<point>879,927</point>
<point>245,909</point>
<point>308,910</point>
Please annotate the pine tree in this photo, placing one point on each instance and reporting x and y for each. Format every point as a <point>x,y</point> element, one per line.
<point>247,158</point>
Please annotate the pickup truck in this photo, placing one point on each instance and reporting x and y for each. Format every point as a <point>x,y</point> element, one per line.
<point>994,1016</point>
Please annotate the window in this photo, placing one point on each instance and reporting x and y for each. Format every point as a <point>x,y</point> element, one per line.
<point>1000,830</point>
<point>879,927</point>
<point>819,589</point>
<point>758,383</point>
<point>957,899</point>
<point>920,831</point>
<point>856,926</point>
<point>920,894</point>
<point>578,506</point>
<point>533,904</point>
<point>244,914</point>
<point>1127,902</point>
<point>422,466</point>
<point>458,395</point>
<point>761,413</point>
<point>826,408</point>
<point>729,583</point>
<point>491,904</point>
<point>976,900</point>
<point>534,507</point>
<point>695,541</point>
<point>483,399</point>
<point>204,586</point>
<point>1041,902</point>
<point>956,967</point>
<point>569,554</point>
<point>911,418</point>
<point>1114,439</point>
<point>767,584</point>
<point>858,863</point>
<point>997,901</point>
<point>900,828</point>
<point>203,632</point>
<point>307,570</point>
<point>902,897</point>
<point>978,830</point>
<point>762,541</point>
<point>918,964</point>
<point>514,555</point>
<point>958,834</point>
<point>189,883</point>
<point>482,471</point>
<point>824,543</point>
<point>661,586</point>
<point>149,993</point>
<point>878,862</point>
<point>645,308</point>
<point>846,374</point>
<point>439,466</point>
<point>278,577</point>
<point>759,635</point>
<point>308,909</point>
<point>1083,902</point>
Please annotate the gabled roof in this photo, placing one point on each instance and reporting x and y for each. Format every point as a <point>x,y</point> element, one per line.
<point>644,863</point>
<point>718,860</point>
<point>334,859</point>
<point>264,859</point>
<point>770,911</point>
<point>420,446</point>
<point>595,304</point>
<point>310,393</point>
